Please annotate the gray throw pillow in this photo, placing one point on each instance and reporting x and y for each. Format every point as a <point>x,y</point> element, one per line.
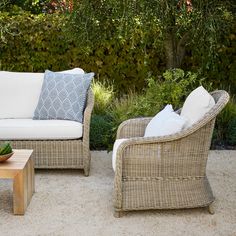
<point>63,96</point>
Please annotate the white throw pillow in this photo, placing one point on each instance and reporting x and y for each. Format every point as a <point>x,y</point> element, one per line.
<point>196,105</point>
<point>166,122</point>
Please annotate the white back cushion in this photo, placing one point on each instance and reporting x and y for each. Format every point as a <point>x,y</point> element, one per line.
<point>196,105</point>
<point>19,93</point>
<point>166,122</point>
<point>73,71</point>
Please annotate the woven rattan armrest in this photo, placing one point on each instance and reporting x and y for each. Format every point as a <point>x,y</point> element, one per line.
<point>140,140</point>
<point>86,130</point>
<point>87,115</point>
<point>133,128</point>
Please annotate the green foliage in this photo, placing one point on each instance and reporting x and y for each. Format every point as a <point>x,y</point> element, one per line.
<point>215,51</point>
<point>33,6</point>
<point>225,129</point>
<point>231,134</point>
<point>172,88</point>
<point>38,45</point>
<point>42,42</point>
<point>100,132</point>
<point>39,42</point>
<point>5,149</point>
<point>176,25</point>
<point>123,109</point>
<point>103,94</point>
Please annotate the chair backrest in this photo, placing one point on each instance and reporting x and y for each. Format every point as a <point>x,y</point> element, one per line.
<point>221,98</point>
<point>192,149</point>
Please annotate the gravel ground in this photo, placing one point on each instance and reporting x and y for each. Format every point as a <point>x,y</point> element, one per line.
<point>67,203</point>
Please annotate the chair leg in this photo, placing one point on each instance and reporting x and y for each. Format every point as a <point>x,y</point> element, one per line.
<point>86,171</point>
<point>211,208</point>
<point>118,214</point>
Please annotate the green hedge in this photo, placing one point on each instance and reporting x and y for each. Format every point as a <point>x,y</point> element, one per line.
<point>39,42</point>
<point>42,42</point>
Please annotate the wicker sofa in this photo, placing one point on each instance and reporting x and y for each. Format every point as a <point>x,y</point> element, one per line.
<point>176,177</point>
<point>57,153</point>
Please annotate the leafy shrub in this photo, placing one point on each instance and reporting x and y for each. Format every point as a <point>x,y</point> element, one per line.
<point>198,35</point>
<point>224,133</point>
<point>231,133</point>
<point>172,88</point>
<point>41,42</point>
<point>100,132</point>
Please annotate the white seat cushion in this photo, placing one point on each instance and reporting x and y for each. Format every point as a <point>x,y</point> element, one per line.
<point>196,105</point>
<point>117,143</point>
<point>166,122</point>
<point>28,129</point>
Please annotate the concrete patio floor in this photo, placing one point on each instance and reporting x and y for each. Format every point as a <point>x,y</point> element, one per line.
<point>67,203</point>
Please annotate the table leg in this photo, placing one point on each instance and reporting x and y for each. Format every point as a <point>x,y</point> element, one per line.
<point>20,192</point>
<point>33,175</point>
<point>29,181</point>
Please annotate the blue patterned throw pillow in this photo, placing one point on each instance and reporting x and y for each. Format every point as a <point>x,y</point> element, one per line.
<point>63,96</point>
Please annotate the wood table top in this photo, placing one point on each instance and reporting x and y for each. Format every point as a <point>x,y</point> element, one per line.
<point>17,161</point>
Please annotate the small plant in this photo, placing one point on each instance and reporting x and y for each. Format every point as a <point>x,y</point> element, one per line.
<point>5,149</point>
<point>104,95</point>
<point>231,134</point>
<point>100,132</point>
<point>172,88</point>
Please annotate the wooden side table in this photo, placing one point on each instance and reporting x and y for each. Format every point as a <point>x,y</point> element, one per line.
<point>20,168</point>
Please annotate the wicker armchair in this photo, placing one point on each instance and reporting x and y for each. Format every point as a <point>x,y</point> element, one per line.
<point>62,154</point>
<point>166,172</point>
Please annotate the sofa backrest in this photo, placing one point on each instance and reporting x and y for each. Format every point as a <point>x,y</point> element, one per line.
<point>19,93</point>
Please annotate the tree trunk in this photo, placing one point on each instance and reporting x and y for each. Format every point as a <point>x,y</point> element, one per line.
<point>170,51</point>
<point>175,51</point>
